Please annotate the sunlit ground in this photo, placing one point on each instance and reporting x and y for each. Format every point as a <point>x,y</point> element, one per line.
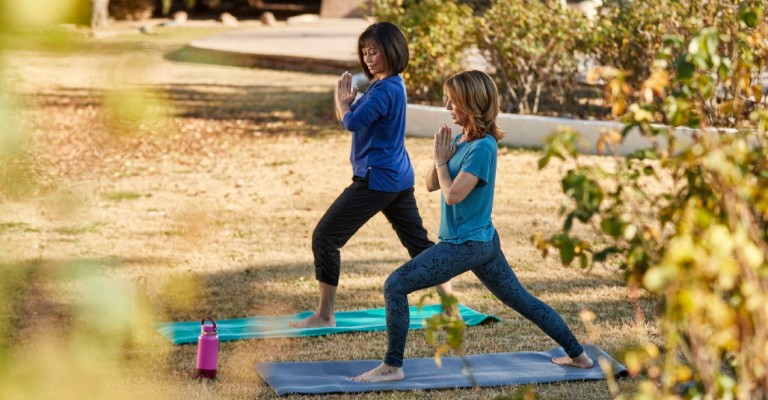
<point>207,181</point>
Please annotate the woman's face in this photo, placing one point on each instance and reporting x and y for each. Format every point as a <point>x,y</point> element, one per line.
<point>374,60</point>
<point>457,116</point>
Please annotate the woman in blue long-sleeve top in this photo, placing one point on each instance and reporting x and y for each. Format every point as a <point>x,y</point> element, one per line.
<point>382,174</point>
<point>465,174</point>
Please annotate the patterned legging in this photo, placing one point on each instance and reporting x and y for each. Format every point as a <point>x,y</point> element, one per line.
<point>444,261</point>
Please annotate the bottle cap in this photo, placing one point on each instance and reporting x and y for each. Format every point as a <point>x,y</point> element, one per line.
<point>208,328</point>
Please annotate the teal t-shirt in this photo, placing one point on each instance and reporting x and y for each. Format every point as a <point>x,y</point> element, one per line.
<point>471,218</point>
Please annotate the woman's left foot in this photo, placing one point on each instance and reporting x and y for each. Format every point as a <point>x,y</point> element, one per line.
<point>582,361</point>
<point>382,373</point>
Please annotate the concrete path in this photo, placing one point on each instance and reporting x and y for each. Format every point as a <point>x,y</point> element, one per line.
<point>326,45</point>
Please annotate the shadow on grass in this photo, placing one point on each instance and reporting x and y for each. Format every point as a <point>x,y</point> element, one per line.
<point>276,289</point>
<point>266,108</point>
<point>196,55</point>
<point>280,289</point>
<point>261,104</point>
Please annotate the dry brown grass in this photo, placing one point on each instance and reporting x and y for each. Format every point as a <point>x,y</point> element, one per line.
<point>211,192</point>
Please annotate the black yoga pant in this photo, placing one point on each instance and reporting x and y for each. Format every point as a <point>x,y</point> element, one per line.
<point>350,211</point>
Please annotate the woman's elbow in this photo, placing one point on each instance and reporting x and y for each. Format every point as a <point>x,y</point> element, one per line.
<point>452,199</point>
<point>349,123</point>
<point>349,126</point>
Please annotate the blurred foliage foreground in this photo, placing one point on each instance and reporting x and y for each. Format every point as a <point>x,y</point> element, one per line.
<point>700,243</point>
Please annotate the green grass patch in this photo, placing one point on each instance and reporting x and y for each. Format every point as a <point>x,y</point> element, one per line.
<point>4,226</point>
<point>279,163</point>
<point>78,230</point>
<point>121,195</point>
<point>14,279</point>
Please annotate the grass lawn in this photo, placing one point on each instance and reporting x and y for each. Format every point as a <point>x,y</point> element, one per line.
<point>116,163</point>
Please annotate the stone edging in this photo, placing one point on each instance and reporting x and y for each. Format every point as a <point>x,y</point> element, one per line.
<point>529,130</point>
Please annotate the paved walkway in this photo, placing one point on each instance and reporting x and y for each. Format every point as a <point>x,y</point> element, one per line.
<point>318,45</point>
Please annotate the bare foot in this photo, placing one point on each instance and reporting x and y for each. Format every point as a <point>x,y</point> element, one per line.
<point>452,312</point>
<point>582,361</point>
<point>314,321</point>
<point>382,373</point>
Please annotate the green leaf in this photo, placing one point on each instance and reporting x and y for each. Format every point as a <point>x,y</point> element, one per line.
<point>583,260</point>
<point>543,161</point>
<point>685,69</point>
<point>567,252</point>
<point>674,40</point>
<point>748,15</point>
<point>603,254</point>
<point>612,226</point>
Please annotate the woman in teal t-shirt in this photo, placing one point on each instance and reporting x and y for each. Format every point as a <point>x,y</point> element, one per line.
<point>465,174</point>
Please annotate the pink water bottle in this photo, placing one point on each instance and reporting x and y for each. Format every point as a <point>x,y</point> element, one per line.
<point>207,350</point>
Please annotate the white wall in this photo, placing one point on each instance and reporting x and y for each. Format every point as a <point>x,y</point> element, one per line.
<point>530,130</point>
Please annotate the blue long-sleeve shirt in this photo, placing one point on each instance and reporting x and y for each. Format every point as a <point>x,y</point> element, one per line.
<point>377,123</point>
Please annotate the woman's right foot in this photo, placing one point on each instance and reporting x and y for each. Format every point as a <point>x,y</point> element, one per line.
<point>582,361</point>
<point>314,321</point>
<point>382,373</point>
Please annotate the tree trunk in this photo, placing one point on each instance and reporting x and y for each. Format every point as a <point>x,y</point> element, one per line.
<point>99,13</point>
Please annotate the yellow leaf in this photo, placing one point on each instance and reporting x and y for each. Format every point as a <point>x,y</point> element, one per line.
<point>600,146</point>
<point>587,316</point>
<point>683,373</point>
<point>744,83</point>
<point>757,92</point>
<point>594,75</point>
<point>725,107</point>
<point>618,108</point>
<point>643,116</point>
<point>655,84</point>
<point>647,95</point>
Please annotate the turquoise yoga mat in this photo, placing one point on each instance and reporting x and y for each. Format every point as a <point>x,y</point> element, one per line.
<point>495,369</point>
<point>263,327</point>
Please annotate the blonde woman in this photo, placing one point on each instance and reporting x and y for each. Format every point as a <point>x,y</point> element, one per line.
<point>465,173</point>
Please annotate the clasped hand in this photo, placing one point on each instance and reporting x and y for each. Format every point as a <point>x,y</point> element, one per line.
<point>444,149</point>
<point>345,93</point>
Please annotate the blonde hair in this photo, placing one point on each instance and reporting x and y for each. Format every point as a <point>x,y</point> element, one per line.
<point>474,94</point>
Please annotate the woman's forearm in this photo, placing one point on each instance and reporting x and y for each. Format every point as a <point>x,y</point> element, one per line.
<point>455,190</point>
<point>341,111</point>
<point>430,180</point>
<point>444,181</point>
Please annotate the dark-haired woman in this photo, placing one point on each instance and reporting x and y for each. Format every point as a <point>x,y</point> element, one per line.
<point>465,173</point>
<point>382,174</point>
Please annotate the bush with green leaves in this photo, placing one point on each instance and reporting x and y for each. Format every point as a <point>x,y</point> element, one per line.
<point>438,33</point>
<point>688,224</point>
<point>629,35</point>
<point>134,10</point>
<point>533,47</point>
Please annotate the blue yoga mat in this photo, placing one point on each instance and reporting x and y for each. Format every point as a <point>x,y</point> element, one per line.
<point>499,369</point>
<point>264,327</point>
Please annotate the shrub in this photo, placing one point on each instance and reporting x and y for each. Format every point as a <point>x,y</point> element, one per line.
<point>689,225</point>
<point>135,10</point>
<point>438,32</point>
<point>631,34</point>
<point>533,47</point>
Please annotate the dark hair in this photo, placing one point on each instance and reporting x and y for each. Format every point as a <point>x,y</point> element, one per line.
<point>391,41</point>
<point>475,94</point>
